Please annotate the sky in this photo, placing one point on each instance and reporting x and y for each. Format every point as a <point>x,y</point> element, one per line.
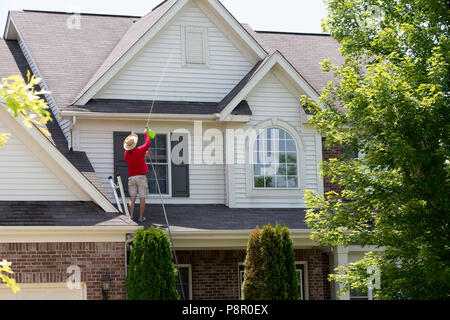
<point>268,15</point>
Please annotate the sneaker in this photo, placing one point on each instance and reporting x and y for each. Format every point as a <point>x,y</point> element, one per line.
<point>142,219</point>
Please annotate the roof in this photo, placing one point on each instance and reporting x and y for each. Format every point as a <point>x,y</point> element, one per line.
<point>305,51</point>
<point>168,107</point>
<point>67,58</point>
<point>86,54</point>
<point>58,213</point>
<point>220,217</point>
<point>133,34</point>
<point>16,64</point>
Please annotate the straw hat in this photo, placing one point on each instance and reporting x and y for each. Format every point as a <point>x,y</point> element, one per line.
<point>130,142</point>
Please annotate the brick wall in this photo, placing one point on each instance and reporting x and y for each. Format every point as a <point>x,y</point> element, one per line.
<point>332,152</point>
<point>215,272</point>
<point>48,262</point>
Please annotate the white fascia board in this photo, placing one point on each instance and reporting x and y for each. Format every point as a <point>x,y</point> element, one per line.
<point>136,116</point>
<point>10,29</point>
<point>36,234</point>
<point>230,239</point>
<point>35,135</point>
<point>276,59</point>
<point>130,53</point>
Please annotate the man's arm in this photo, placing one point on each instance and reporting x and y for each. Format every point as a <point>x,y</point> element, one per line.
<point>147,143</point>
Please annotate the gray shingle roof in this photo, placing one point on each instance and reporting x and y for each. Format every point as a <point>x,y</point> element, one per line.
<point>305,52</point>
<point>133,34</point>
<point>67,58</point>
<point>169,107</point>
<point>220,217</point>
<point>16,64</point>
<point>86,54</point>
<point>58,213</point>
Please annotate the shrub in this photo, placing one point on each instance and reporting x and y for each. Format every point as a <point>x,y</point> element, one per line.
<point>270,265</point>
<point>253,276</point>
<point>151,274</point>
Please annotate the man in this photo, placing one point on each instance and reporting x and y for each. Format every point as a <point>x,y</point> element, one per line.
<point>137,170</point>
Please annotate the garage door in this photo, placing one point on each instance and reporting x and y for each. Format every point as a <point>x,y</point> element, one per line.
<point>43,291</point>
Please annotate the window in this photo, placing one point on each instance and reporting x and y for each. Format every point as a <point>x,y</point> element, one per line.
<point>275,160</point>
<point>300,268</point>
<point>186,281</point>
<point>194,45</point>
<point>356,294</point>
<point>159,158</point>
<point>241,279</point>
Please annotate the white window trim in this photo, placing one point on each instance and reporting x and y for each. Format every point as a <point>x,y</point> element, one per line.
<point>241,284</point>
<point>189,266</point>
<point>169,172</point>
<point>277,192</point>
<point>305,277</point>
<point>204,30</point>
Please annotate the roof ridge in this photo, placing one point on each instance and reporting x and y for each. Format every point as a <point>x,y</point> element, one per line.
<point>295,33</point>
<point>80,13</point>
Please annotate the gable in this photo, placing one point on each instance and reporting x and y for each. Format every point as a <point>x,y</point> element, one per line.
<point>161,70</point>
<point>24,176</point>
<point>271,98</point>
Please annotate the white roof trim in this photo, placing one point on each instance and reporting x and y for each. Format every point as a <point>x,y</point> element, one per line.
<point>36,137</point>
<point>275,59</point>
<point>153,31</point>
<point>231,239</point>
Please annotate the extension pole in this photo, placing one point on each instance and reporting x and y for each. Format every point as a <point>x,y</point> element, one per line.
<point>168,228</point>
<point>122,193</point>
<point>114,188</point>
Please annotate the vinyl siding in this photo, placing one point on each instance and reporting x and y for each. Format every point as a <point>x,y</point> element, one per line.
<point>158,71</point>
<point>206,182</point>
<point>271,99</point>
<point>24,177</point>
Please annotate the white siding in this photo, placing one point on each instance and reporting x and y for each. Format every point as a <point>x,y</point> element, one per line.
<point>271,99</point>
<point>206,182</point>
<point>158,72</point>
<point>24,177</point>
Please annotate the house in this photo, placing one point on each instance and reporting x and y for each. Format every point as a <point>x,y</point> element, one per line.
<point>198,78</point>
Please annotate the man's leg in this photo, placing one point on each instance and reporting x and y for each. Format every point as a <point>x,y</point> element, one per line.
<point>131,205</point>
<point>141,208</point>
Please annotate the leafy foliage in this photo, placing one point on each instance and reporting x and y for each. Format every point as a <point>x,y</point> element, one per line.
<point>390,102</point>
<point>151,274</point>
<point>23,100</point>
<point>270,257</point>
<point>5,266</point>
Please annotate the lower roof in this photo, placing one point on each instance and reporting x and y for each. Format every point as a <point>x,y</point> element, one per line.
<point>221,217</point>
<point>164,107</point>
<point>58,213</point>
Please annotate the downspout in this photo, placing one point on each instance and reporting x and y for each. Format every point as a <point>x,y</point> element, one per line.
<point>74,120</point>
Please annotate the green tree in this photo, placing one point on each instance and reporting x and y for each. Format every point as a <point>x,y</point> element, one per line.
<point>270,272</point>
<point>253,275</point>
<point>151,274</point>
<point>24,101</point>
<point>21,98</point>
<point>390,102</point>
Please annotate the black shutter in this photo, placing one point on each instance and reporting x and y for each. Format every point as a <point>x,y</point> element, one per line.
<point>120,166</point>
<point>180,172</point>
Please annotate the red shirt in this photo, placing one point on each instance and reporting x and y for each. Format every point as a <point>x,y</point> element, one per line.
<point>136,159</point>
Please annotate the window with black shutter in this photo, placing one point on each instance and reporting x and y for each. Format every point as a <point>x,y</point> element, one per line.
<point>160,158</point>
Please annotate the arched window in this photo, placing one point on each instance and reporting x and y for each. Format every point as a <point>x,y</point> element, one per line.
<point>275,160</point>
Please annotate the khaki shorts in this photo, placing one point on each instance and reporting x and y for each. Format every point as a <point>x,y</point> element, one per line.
<point>138,185</point>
